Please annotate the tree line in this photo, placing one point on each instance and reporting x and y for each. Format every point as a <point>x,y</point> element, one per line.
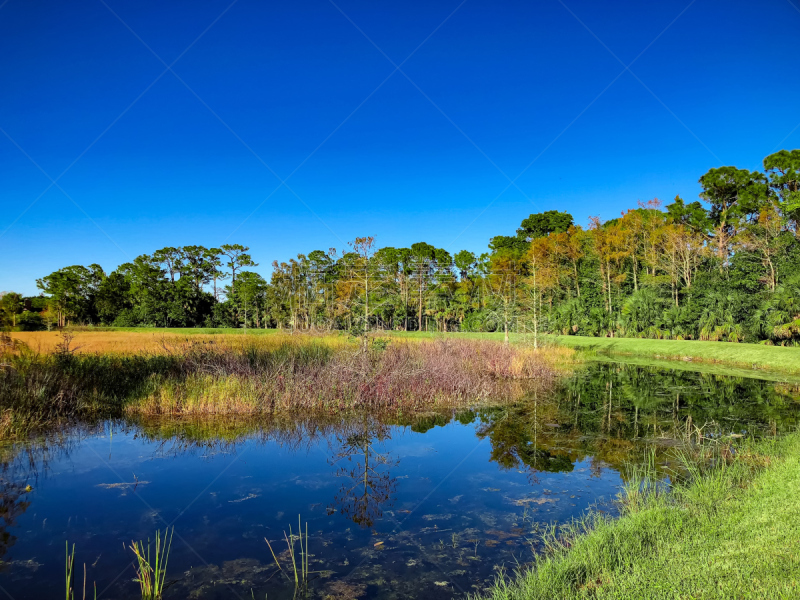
<point>724,267</point>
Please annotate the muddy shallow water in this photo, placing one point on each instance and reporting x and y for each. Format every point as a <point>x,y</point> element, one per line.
<point>426,506</point>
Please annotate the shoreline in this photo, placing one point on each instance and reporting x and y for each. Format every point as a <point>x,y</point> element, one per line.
<point>729,531</point>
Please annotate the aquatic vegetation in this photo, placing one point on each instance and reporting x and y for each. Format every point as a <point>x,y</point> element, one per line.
<point>301,574</point>
<point>38,390</point>
<point>263,375</point>
<point>151,572</point>
<point>302,376</point>
<point>69,574</point>
<point>69,569</point>
<point>642,483</point>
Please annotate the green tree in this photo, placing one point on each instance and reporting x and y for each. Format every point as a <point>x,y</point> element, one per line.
<point>422,261</point>
<point>113,297</point>
<point>171,259</point>
<point>734,195</point>
<point>249,296</point>
<point>149,290</point>
<point>11,306</point>
<point>238,258</point>
<point>72,290</point>
<point>692,215</point>
<point>543,224</point>
<point>783,173</point>
<point>197,265</point>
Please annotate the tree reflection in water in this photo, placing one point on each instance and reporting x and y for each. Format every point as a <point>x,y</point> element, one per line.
<point>612,413</point>
<point>368,486</point>
<point>19,464</point>
<point>12,505</point>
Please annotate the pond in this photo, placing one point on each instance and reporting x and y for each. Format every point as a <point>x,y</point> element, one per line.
<point>430,506</point>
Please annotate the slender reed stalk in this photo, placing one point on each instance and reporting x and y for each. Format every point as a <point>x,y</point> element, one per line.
<point>68,570</point>
<point>152,574</point>
<point>301,574</point>
<point>69,574</point>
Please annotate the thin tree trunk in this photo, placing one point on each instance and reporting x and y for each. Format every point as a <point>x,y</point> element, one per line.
<point>366,299</point>
<point>419,312</point>
<point>535,316</point>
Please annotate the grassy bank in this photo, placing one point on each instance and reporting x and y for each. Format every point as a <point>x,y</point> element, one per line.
<point>258,375</point>
<point>730,529</point>
<point>746,356</point>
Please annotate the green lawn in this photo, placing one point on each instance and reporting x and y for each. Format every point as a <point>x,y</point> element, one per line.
<point>748,356</point>
<point>731,533</point>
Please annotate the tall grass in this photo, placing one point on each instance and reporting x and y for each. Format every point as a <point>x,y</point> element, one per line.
<point>151,571</point>
<point>727,527</point>
<point>69,570</point>
<point>40,389</point>
<point>400,376</point>
<point>69,573</point>
<point>263,375</point>
<point>300,574</point>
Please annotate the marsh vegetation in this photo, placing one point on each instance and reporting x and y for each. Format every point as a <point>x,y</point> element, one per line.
<point>438,501</point>
<point>264,375</point>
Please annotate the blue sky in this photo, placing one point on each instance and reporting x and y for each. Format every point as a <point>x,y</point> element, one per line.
<point>308,93</point>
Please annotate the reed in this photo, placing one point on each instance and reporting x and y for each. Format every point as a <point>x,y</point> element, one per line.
<point>69,573</point>
<point>300,575</point>
<point>69,570</point>
<point>151,572</point>
<point>311,376</point>
<point>642,484</point>
<point>264,375</point>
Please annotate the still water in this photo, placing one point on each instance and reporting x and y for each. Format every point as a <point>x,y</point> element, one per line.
<point>432,506</point>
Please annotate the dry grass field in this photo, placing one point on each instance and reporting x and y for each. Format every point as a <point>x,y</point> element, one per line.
<point>170,341</point>
<point>120,342</point>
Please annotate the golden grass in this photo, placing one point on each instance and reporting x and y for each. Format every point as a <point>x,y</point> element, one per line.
<point>128,342</point>
<point>121,342</point>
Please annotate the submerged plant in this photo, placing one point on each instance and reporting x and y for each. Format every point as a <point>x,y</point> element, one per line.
<point>152,574</point>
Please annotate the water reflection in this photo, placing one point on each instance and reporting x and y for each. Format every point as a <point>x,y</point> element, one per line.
<point>13,504</point>
<point>414,506</point>
<point>368,487</point>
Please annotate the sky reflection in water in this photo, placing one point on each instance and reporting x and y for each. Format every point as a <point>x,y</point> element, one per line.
<point>429,507</point>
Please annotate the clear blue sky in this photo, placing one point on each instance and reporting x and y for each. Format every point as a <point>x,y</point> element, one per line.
<point>307,91</point>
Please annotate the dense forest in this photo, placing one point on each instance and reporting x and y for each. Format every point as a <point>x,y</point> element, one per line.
<point>725,267</point>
